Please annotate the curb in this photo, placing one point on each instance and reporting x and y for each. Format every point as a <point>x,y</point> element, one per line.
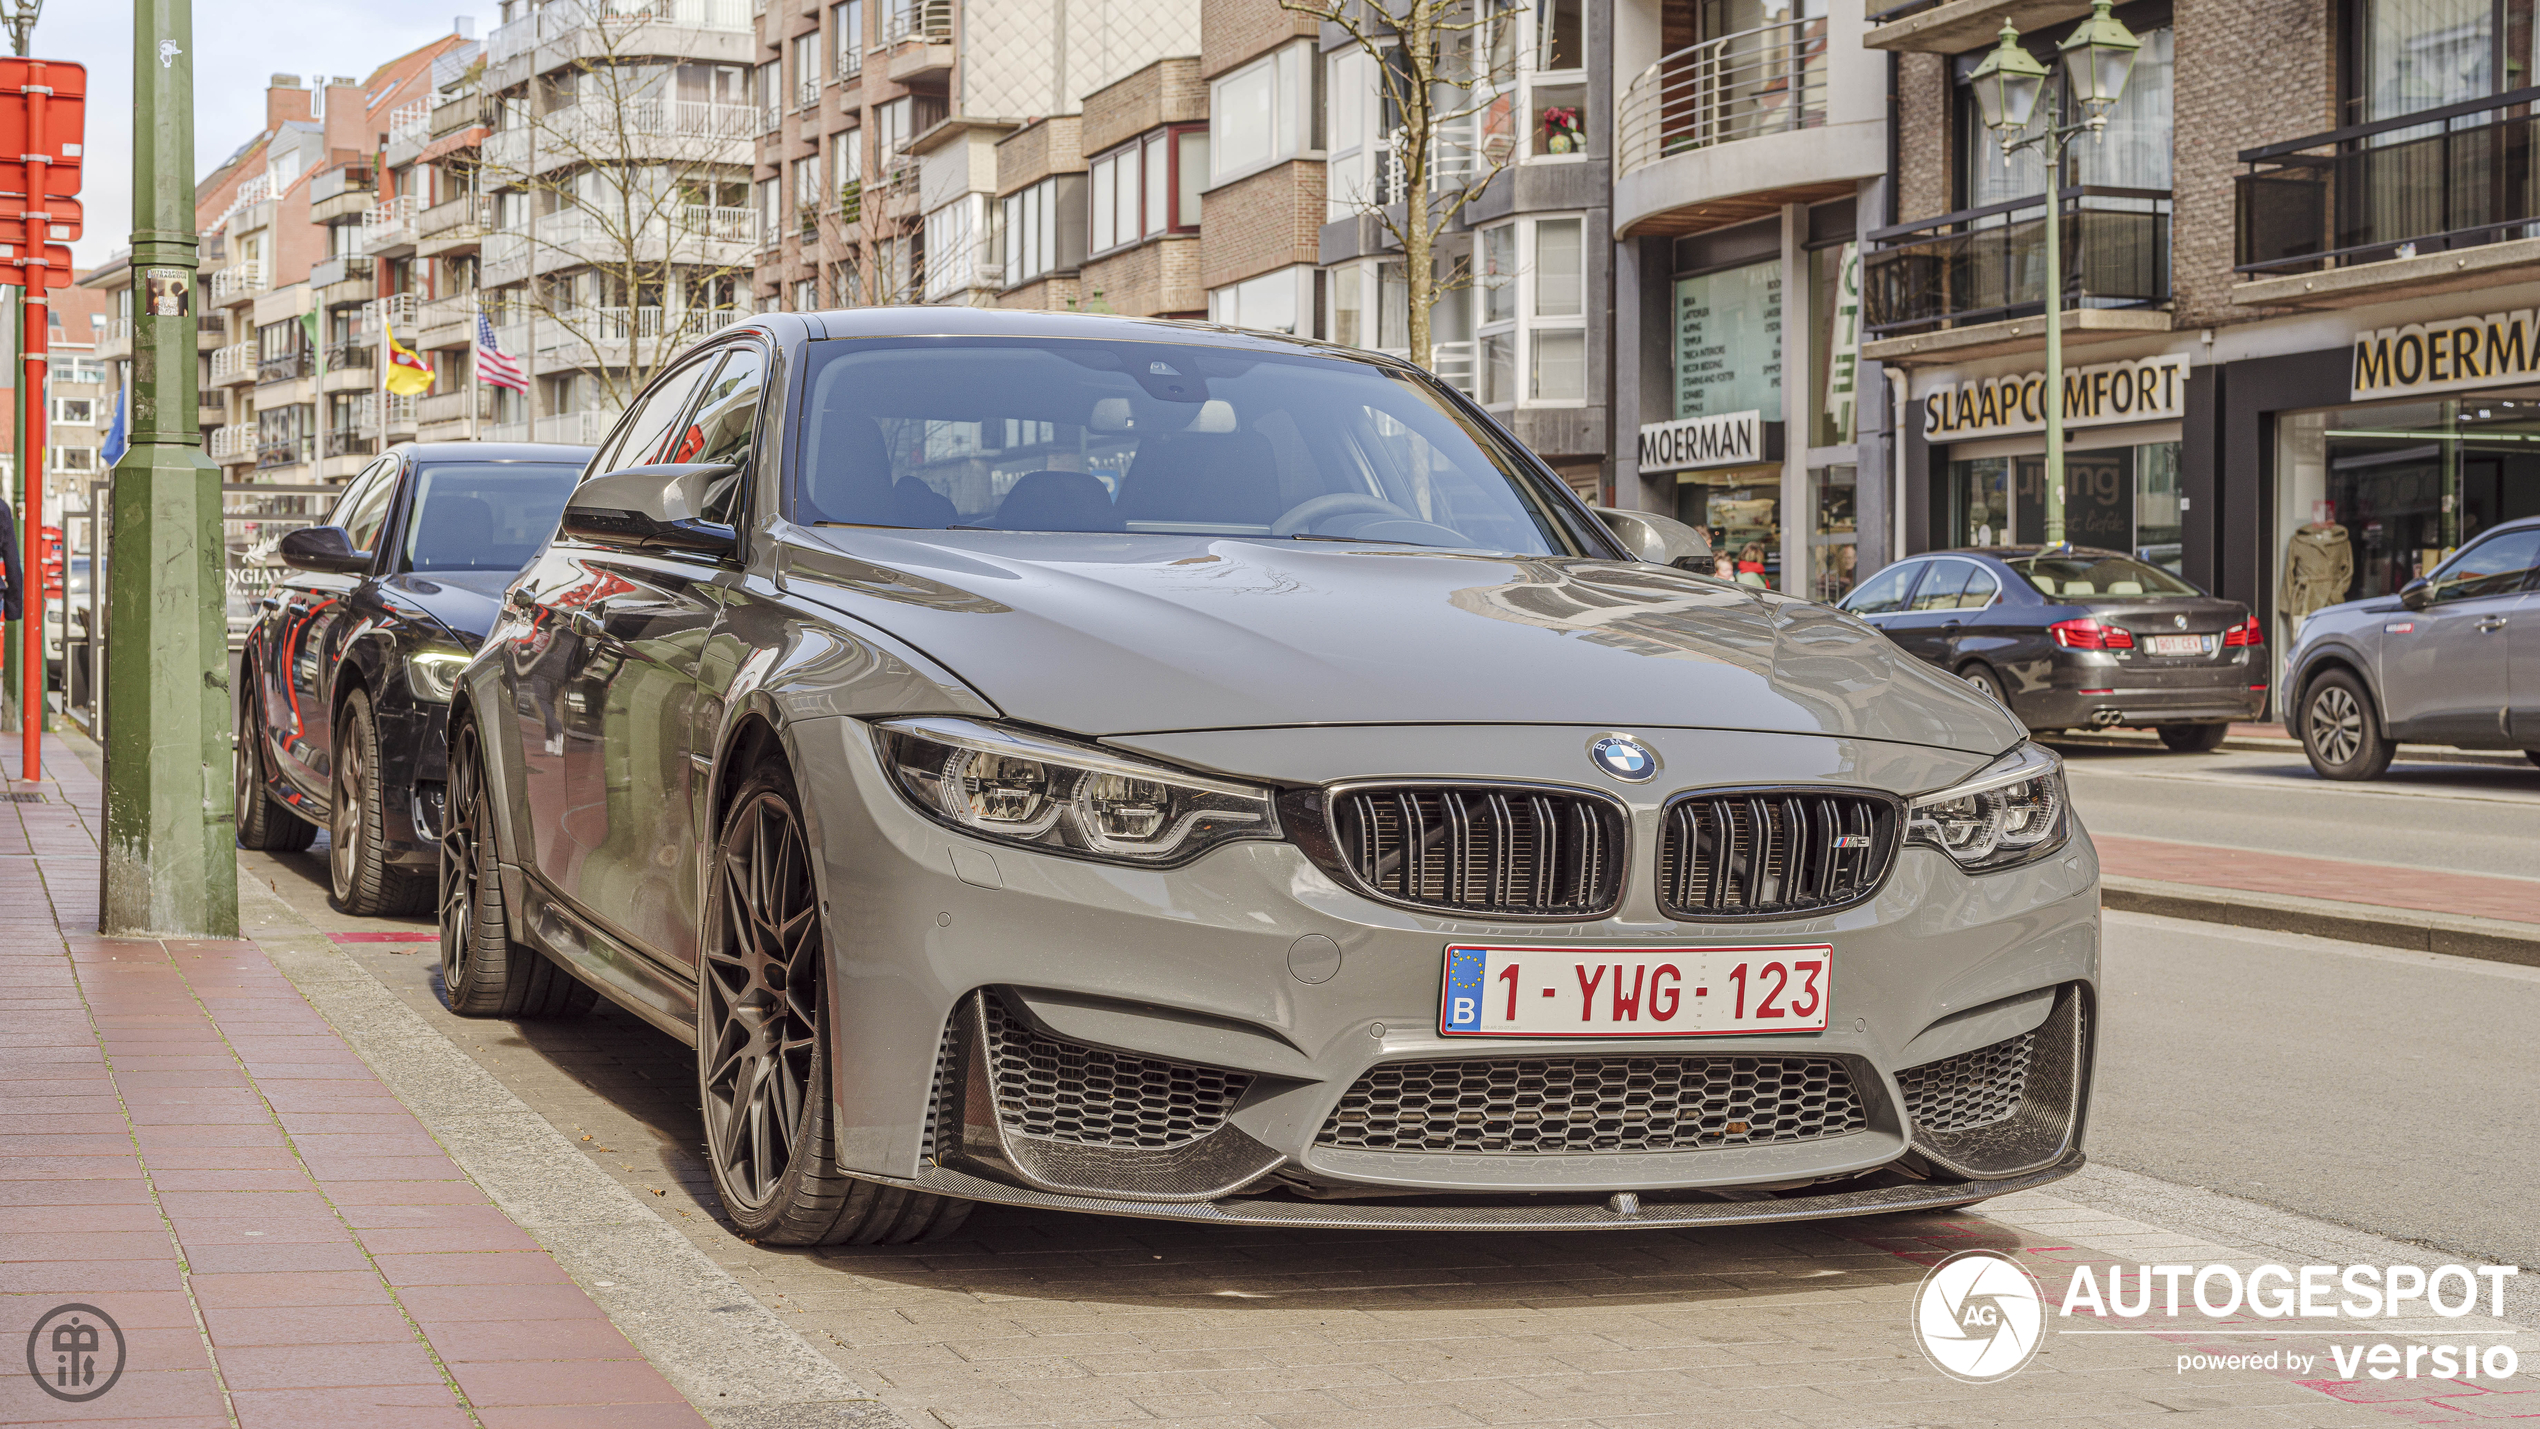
<point>2408,753</point>
<point>2455,935</point>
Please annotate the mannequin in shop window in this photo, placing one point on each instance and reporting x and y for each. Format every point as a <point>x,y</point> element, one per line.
<point>2319,563</point>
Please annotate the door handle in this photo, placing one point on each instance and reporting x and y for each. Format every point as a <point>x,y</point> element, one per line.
<point>2491,625</point>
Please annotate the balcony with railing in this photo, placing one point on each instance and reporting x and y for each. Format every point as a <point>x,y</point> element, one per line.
<point>451,226</point>
<point>114,338</point>
<point>559,20</point>
<point>1739,125</point>
<point>1985,266</point>
<point>351,441</point>
<point>927,21</point>
<point>234,364</point>
<point>2362,209</point>
<point>410,123</point>
<point>232,444</point>
<point>240,280</point>
<point>718,224</point>
<point>296,450</point>
<point>389,226</point>
<point>1768,80</point>
<point>286,367</point>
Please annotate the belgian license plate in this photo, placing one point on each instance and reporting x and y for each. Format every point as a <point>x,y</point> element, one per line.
<point>2181,644</point>
<point>1635,992</point>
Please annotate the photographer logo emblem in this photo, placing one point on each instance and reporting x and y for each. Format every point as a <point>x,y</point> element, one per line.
<point>1979,1316</point>
<point>75,1352</point>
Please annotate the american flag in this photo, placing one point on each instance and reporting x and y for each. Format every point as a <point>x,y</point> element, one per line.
<point>493,368</point>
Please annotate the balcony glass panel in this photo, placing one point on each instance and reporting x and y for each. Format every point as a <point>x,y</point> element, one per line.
<point>1989,264</point>
<point>2447,178</point>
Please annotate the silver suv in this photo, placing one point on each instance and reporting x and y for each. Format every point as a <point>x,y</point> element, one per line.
<point>2454,658</point>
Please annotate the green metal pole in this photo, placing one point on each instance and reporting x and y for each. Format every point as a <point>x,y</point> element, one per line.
<point>2054,343</point>
<point>171,862</point>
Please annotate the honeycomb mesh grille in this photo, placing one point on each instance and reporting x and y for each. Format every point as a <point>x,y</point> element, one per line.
<point>1483,849</point>
<point>1068,1092</point>
<point>1557,1106</point>
<point>1969,1090</point>
<point>1772,853</point>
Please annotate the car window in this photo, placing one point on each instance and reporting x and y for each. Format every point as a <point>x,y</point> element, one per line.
<point>722,429</point>
<point>358,490</point>
<point>1885,591</point>
<point>640,440</point>
<point>2096,573</point>
<point>483,515</point>
<point>362,513</point>
<point>1940,589</point>
<point>2499,565</point>
<point>1981,589</point>
<point>1156,438</point>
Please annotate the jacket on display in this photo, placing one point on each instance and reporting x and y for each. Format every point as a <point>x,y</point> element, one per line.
<point>2318,565</point>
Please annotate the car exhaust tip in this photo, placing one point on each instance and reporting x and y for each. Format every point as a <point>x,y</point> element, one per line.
<point>2106,719</point>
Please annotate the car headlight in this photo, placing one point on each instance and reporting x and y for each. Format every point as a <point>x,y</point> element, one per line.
<point>431,672</point>
<point>2011,813</point>
<point>1018,787</point>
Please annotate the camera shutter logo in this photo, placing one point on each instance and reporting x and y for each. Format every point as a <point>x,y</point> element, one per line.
<point>69,1355</point>
<point>1979,1316</point>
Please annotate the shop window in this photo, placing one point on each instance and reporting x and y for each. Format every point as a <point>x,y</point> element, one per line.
<point>1832,546</point>
<point>2115,499</point>
<point>1741,513</point>
<point>1728,333</point>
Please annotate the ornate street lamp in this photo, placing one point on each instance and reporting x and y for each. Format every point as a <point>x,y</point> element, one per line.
<point>2098,58</point>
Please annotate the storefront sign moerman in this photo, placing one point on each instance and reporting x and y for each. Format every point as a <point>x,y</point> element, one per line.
<point>2150,389</point>
<point>2448,356</point>
<point>1730,439</point>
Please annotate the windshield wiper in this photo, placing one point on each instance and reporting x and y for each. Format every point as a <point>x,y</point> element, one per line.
<point>1361,540</point>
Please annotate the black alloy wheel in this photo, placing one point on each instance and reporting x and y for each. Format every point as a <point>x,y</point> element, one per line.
<point>358,872</point>
<point>763,1057</point>
<point>2340,730</point>
<point>483,972</point>
<point>2194,738</point>
<point>262,823</point>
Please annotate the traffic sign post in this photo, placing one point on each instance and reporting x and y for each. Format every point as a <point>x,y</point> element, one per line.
<point>171,841</point>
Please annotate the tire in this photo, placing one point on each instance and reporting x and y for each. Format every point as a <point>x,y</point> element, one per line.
<point>262,823</point>
<point>1986,683</point>
<point>2194,738</point>
<point>483,972</point>
<point>2533,755</point>
<point>2340,731</point>
<point>357,867</point>
<point>771,1138</point>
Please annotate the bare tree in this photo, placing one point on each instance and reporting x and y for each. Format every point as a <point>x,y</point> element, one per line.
<point>628,224</point>
<point>1447,70</point>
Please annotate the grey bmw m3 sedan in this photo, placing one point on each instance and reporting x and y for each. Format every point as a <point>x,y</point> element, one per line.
<point>1159,770</point>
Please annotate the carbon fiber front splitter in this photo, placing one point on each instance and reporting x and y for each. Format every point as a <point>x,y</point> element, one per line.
<point>1483,1214</point>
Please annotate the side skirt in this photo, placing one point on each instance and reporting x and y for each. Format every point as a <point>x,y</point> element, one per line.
<point>624,976</point>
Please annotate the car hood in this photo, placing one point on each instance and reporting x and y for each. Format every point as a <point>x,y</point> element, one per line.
<point>462,603</point>
<point>1107,635</point>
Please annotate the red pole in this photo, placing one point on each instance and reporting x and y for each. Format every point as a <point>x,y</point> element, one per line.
<point>31,481</point>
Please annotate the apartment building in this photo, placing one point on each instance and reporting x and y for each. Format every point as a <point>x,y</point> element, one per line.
<point>2303,340</point>
<point>878,165</point>
<point>1750,144</point>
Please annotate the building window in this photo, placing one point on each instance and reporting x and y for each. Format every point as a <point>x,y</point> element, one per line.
<point>806,295</point>
<point>771,215</point>
<point>808,194</point>
<point>75,459</point>
<point>1530,312</point>
<point>848,21</point>
<point>1148,187</point>
<point>2133,153</point>
<point>1274,302</point>
<point>807,70</point>
<point>1260,114</point>
<point>1042,228</point>
<point>846,158</point>
<point>846,285</point>
<point>74,412</point>
<point>956,236</point>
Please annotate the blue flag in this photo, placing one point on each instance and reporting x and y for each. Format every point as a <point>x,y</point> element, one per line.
<point>116,444</point>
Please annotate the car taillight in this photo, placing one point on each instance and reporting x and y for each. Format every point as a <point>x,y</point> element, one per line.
<point>2245,633</point>
<point>2088,633</point>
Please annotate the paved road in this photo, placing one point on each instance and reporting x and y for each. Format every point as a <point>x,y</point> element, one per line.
<point>2469,818</point>
<point>2383,1090</point>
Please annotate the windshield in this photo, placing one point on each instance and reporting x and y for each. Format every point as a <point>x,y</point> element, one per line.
<point>1152,438</point>
<point>2078,573</point>
<point>485,516</point>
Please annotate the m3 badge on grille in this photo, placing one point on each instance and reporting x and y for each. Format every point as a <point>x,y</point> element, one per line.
<point>1624,757</point>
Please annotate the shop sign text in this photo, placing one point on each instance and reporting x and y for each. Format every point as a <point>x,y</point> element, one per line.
<point>2448,356</point>
<point>1730,439</point>
<point>2151,389</point>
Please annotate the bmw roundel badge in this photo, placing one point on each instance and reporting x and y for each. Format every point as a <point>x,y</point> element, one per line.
<point>1624,758</point>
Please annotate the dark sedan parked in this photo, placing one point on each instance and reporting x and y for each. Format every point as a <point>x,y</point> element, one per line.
<point>2069,637</point>
<point>345,681</point>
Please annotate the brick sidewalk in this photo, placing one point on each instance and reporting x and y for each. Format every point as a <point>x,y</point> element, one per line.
<point>188,1146</point>
<point>2338,880</point>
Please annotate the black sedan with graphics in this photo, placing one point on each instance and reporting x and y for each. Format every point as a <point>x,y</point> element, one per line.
<point>345,680</point>
<point>2070,637</point>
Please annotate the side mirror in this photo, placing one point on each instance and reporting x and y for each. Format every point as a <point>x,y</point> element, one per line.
<point>651,508</point>
<point>2417,594</point>
<point>1663,540</point>
<point>326,549</point>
